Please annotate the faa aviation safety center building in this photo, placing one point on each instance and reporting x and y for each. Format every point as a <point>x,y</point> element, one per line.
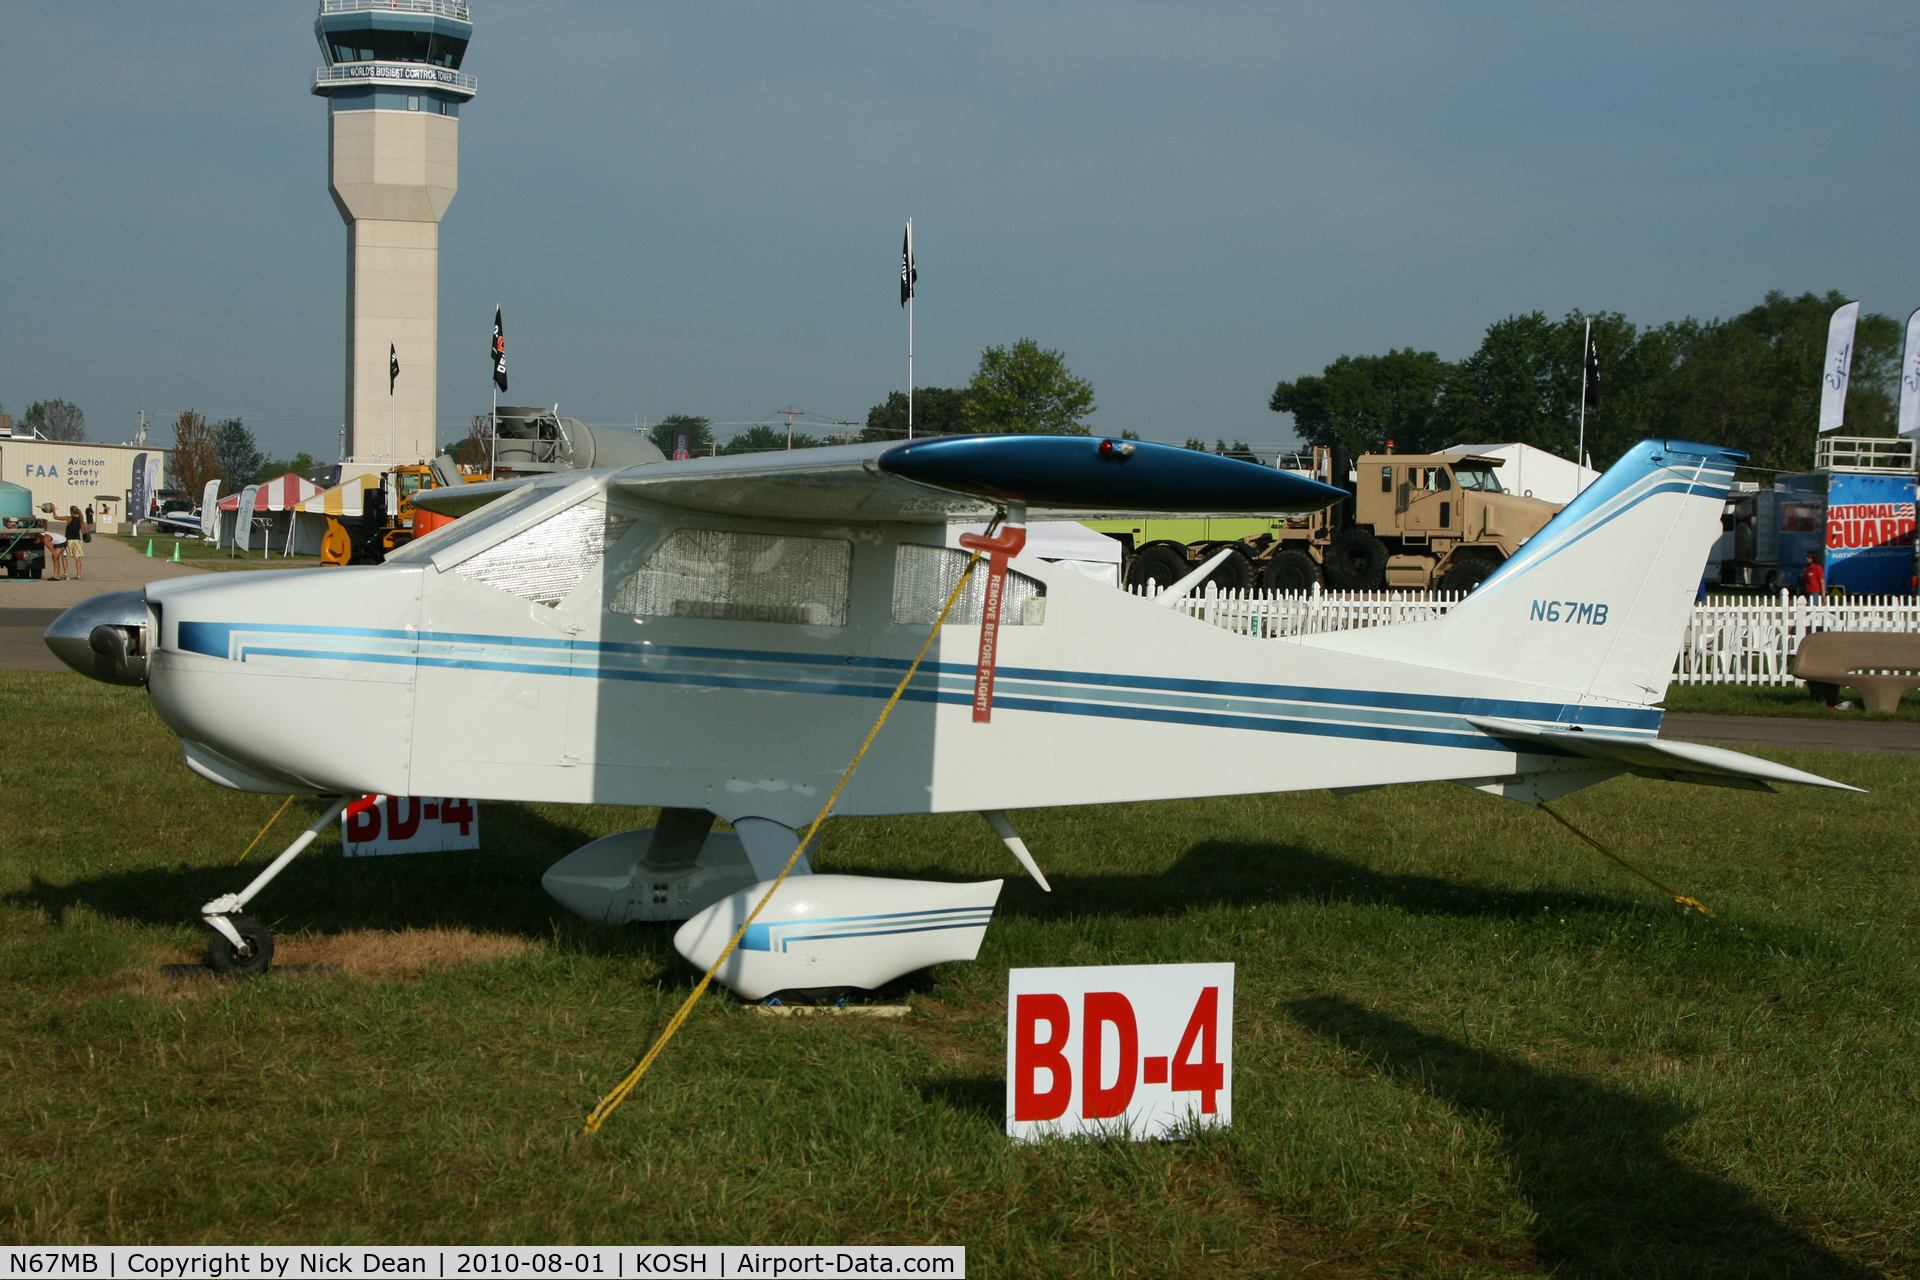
<point>73,474</point>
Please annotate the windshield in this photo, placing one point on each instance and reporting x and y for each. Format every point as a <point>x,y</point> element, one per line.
<point>1477,476</point>
<point>470,525</point>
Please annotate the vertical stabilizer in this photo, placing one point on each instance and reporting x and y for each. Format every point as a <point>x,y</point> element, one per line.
<point>1594,604</point>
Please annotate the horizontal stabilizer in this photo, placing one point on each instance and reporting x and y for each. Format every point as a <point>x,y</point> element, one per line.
<point>1656,758</point>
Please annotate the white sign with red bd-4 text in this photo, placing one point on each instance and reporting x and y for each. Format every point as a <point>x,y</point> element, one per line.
<point>375,825</point>
<point>1134,1050</point>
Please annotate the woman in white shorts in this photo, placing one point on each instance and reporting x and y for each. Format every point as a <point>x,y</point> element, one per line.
<point>55,541</point>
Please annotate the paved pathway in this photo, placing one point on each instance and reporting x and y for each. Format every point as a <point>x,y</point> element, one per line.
<point>1814,734</point>
<point>28,606</point>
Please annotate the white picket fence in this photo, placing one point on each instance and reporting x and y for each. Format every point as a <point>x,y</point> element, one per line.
<point>1729,639</point>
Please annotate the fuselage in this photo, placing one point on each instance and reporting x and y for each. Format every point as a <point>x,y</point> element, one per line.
<point>584,646</point>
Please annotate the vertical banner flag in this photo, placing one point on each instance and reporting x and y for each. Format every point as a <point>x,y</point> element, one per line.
<point>154,463</point>
<point>1593,371</point>
<point>908,273</point>
<point>393,367</point>
<point>498,353</point>
<point>1839,367</point>
<point>1910,379</point>
<point>210,511</point>
<point>142,496</point>
<point>243,518</point>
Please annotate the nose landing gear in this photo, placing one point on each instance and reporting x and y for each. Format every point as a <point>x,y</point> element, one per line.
<point>242,947</point>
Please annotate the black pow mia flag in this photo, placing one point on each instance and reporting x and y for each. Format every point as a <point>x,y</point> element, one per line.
<point>908,273</point>
<point>1593,372</point>
<point>393,367</point>
<point>498,352</point>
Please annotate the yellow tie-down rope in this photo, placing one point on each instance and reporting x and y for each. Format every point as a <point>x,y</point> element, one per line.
<point>626,1086</point>
<point>263,831</point>
<point>1680,899</point>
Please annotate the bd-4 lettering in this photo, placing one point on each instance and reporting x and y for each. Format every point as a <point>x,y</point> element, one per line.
<point>1574,611</point>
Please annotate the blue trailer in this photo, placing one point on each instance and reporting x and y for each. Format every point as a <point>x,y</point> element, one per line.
<point>1859,524</point>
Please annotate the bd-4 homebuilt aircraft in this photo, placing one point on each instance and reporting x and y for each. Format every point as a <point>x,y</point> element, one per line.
<point>715,637</point>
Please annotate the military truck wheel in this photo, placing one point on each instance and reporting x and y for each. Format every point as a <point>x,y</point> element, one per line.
<point>1161,566</point>
<point>1292,571</point>
<point>1235,573</point>
<point>1469,573</point>
<point>1357,561</point>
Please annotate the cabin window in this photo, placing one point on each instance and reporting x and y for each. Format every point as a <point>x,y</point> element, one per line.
<point>1386,479</point>
<point>743,577</point>
<point>544,563</point>
<point>923,578</point>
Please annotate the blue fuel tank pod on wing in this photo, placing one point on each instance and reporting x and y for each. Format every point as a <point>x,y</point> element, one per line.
<point>1099,474</point>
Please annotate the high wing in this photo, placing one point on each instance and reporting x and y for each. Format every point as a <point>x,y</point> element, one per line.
<point>1654,758</point>
<point>947,478</point>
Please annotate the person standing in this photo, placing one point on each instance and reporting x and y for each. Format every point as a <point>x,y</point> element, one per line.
<point>1813,579</point>
<point>77,536</point>
<point>54,540</point>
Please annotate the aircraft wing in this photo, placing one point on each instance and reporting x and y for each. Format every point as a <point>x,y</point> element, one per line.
<point>457,500</point>
<point>1657,758</point>
<point>945,478</point>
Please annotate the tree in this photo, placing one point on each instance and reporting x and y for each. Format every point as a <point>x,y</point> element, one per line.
<point>937,411</point>
<point>1024,390</point>
<point>1361,402</point>
<point>238,457</point>
<point>1753,381</point>
<point>763,438</point>
<point>56,420</point>
<point>300,464</point>
<point>193,461</point>
<point>473,450</point>
<point>663,431</point>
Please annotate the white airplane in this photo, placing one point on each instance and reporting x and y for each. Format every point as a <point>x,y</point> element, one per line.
<point>715,637</point>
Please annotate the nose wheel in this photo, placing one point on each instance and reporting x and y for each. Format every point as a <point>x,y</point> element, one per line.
<point>242,947</point>
<point>252,956</point>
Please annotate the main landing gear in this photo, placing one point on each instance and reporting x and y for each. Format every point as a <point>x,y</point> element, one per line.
<point>242,947</point>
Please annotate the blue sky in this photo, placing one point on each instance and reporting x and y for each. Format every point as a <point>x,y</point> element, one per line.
<point>697,208</point>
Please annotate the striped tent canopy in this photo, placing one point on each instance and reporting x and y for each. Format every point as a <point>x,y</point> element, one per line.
<point>281,493</point>
<point>343,500</point>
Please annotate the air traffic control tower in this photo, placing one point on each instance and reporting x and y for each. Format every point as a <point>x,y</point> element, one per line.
<point>394,88</point>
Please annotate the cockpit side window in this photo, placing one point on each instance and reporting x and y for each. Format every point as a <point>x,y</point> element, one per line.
<point>729,576</point>
<point>923,578</point>
<point>546,562</point>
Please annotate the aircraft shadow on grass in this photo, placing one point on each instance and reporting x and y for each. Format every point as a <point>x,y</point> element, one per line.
<point>495,889</point>
<point>1592,1161</point>
<point>1241,873</point>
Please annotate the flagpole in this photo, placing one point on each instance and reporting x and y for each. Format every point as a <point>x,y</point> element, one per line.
<point>1579,466</point>
<point>910,295</point>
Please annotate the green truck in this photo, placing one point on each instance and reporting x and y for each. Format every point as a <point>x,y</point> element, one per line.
<point>1414,521</point>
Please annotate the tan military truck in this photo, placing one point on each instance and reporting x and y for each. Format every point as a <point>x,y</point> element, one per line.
<point>1416,521</point>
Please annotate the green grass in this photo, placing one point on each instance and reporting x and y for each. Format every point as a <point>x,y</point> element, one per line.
<point>1778,700</point>
<point>203,553</point>
<point>1465,1045</point>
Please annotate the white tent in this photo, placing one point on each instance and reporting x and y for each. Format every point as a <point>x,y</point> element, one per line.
<point>1533,473</point>
<point>1069,544</point>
